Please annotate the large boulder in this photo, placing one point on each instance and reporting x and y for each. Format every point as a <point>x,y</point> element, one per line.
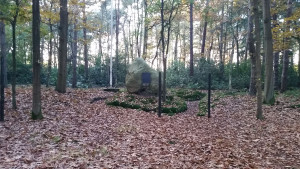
<point>134,82</point>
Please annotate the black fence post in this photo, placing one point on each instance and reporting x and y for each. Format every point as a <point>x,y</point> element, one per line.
<point>209,90</point>
<point>159,94</point>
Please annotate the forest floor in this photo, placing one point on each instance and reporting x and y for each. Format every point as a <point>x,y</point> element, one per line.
<point>76,133</point>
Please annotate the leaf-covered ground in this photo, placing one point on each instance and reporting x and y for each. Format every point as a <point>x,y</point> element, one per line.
<point>76,133</point>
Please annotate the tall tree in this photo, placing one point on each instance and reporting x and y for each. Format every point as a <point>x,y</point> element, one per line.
<point>276,52</point>
<point>258,60</point>
<point>268,51</point>
<point>191,40</point>
<point>62,53</point>
<point>145,29</point>
<point>74,55</point>
<point>13,79</point>
<point>163,47</point>
<point>3,55</point>
<point>85,48</point>
<point>36,63</point>
<point>251,47</point>
<point>50,49</point>
<point>286,53</point>
<point>205,28</point>
<point>221,41</point>
<point>117,41</point>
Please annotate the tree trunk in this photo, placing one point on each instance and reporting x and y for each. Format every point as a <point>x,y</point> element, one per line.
<point>176,46</point>
<point>74,56</point>
<point>50,52</point>
<point>268,51</point>
<point>3,55</point>
<point>231,66</point>
<point>259,113</point>
<point>117,43</point>
<point>85,49</point>
<point>204,29</point>
<point>210,48</point>
<point>13,78</point>
<point>251,47</point>
<point>62,53</point>
<point>145,30</point>
<point>286,53</point>
<point>276,59</point>
<point>221,42</point>
<point>237,46</point>
<point>191,41</point>
<point>36,64</point>
<point>163,50</point>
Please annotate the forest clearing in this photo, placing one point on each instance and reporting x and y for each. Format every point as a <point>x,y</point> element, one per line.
<point>150,84</point>
<point>76,133</point>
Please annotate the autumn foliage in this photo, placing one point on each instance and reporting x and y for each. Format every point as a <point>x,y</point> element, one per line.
<point>78,133</point>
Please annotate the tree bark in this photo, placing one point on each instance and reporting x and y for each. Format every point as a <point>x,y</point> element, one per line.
<point>74,56</point>
<point>259,113</point>
<point>286,53</point>
<point>276,59</point>
<point>191,41</point>
<point>221,42</point>
<point>251,47</point>
<point>50,52</point>
<point>237,46</point>
<point>3,55</point>
<point>268,51</point>
<point>163,50</point>
<point>62,53</point>
<point>85,48</point>
<point>13,78</point>
<point>204,29</point>
<point>36,84</point>
<point>117,43</point>
<point>145,29</point>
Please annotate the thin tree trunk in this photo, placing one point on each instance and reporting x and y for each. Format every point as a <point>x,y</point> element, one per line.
<point>117,43</point>
<point>62,53</point>
<point>145,30</point>
<point>176,46</point>
<point>268,51</point>
<point>286,53</point>
<point>276,58</point>
<point>210,48</point>
<point>3,55</point>
<point>221,42</point>
<point>50,52</point>
<point>237,46</point>
<point>13,79</point>
<point>191,41</point>
<point>36,84</point>
<point>163,50</point>
<point>85,49</point>
<point>74,56</point>
<point>251,47</point>
<point>204,29</point>
<point>259,113</point>
<point>231,66</point>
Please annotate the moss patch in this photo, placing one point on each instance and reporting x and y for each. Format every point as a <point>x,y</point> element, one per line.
<point>190,95</point>
<point>171,106</point>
